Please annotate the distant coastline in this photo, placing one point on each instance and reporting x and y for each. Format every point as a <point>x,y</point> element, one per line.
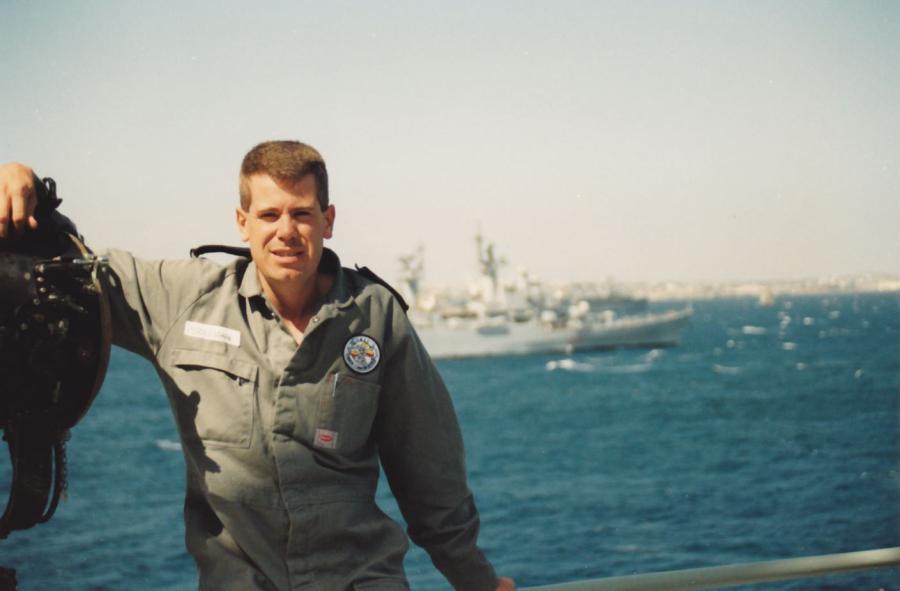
<point>764,289</point>
<point>668,291</point>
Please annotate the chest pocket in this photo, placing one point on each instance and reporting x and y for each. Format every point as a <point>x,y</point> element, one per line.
<point>346,410</point>
<point>216,403</point>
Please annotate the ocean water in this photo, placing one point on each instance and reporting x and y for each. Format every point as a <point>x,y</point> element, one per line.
<point>770,432</point>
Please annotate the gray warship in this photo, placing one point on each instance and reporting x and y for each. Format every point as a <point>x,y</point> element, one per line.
<point>525,316</point>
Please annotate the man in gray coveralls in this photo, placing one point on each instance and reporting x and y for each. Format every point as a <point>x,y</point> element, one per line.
<point>289,377</point>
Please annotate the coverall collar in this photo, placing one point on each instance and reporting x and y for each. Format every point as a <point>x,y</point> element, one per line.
<point>339,295</point>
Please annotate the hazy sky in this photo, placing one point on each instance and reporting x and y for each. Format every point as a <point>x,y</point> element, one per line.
<point>638,140</point>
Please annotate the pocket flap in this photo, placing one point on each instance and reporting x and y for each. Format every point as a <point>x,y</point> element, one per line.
<point>347,383</point>
<point>228,363</point>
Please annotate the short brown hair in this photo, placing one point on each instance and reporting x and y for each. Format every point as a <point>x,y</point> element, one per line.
<point>286,162</point>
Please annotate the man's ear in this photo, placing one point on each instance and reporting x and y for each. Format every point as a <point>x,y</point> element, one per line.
<point>241,219</point>
<point>329,221</point>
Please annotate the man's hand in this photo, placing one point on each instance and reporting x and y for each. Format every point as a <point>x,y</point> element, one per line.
<point>17,199</point>
<point>506,584</point>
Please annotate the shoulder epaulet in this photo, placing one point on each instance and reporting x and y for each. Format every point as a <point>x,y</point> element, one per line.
<point>370,275</point>
<point>238,251</point>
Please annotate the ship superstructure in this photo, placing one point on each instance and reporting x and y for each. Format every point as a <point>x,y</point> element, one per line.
<point>525,316</point>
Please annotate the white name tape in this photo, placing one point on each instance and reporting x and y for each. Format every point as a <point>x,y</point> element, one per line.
<point>211,332</point>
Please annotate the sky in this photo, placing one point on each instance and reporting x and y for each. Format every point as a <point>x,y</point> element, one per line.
<point>589,140</point>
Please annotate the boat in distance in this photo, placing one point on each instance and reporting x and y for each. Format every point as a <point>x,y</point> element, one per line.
<point>525,317</point>
<point>454,340</point>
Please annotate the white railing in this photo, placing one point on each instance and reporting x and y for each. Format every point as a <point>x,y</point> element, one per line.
<point>737,574</point>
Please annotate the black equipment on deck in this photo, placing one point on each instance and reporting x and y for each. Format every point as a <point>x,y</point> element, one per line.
<point>54,349</point>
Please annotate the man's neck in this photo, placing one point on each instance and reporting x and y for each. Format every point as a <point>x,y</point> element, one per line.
<point>297,301</point>
<point>291,298</point>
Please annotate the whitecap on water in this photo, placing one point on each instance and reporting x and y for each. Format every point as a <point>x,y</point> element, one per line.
<point>789,346</point>
<point>726,370</point>
<point>568,365</point>
<point>628,548</point>
<point>754,330</point>
<point>653,354</point>
<point>631,368</point>
<point>600,367</point>
<point>168,445</point>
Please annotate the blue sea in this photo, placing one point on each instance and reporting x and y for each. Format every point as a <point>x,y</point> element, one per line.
<point>770,432</point>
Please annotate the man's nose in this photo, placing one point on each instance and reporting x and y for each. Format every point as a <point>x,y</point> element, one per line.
<point>286,228</point>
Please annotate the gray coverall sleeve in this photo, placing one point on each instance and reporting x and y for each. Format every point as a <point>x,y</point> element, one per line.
<point>146,297</point>
<point>421,450</point>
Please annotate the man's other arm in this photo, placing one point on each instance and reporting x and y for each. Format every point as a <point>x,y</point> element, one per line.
<point>422,453</point>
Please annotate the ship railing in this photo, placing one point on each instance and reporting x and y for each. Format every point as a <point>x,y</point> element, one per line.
<point>717,577</point>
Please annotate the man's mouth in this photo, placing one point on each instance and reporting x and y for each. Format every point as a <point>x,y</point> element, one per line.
<point>288,255</point>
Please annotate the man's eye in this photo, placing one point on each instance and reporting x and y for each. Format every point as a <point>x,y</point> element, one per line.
<point>268,216</point>
<point>300,214</point>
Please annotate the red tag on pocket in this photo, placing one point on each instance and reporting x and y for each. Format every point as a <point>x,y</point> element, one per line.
<point>326,439</point>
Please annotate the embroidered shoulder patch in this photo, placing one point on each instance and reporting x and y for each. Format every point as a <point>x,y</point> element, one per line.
<point>361,353</point>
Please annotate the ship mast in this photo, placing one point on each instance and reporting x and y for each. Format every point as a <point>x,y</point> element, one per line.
<point>489,265</point>
<point>411,268</point>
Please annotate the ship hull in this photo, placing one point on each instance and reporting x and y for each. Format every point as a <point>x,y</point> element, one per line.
<point>484,339</point>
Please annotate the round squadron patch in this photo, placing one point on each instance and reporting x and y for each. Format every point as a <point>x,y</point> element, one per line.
<point>361,353</point>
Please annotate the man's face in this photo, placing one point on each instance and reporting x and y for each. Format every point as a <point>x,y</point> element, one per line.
<point>285,228</point>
